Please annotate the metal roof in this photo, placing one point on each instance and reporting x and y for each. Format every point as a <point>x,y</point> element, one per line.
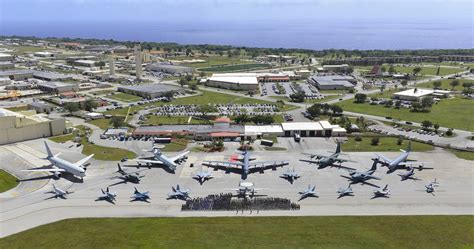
<point>151,88</point>
<point>301,126</point>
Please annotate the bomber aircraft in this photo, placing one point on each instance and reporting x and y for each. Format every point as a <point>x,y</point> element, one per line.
<point>244,166</point>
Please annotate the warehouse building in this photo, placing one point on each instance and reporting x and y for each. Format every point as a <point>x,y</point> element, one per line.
<point>51,76</point>
<point>84,63</point>
<point>149,91</point>
<point>6,57</point>
<point>233,81</point>
<point>335,68</point>
<point>312,129</point>
<point>40,107</point>
<point>17,74</point>
<point>7,65</point>
<point>17,127</point>
<point>331,82</point>
<point>170,69</point>
<point>417,94</point>
<point>56,87</point>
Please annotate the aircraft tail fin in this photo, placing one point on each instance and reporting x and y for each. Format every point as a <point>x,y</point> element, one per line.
<point>119,168</point>
<point>48,150</point>
<point>136,190</point>
<point>338,148</point>
<point>385,188</point>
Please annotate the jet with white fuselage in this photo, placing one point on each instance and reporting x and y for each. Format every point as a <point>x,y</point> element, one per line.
<point>59,165</point>
<point>400,162</point>
<point>170,163</point>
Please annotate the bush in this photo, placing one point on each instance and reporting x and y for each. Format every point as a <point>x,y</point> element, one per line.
<point>449,132</point>
<point>358,138</point>
<point>375,141</point>
<point>399,141</point>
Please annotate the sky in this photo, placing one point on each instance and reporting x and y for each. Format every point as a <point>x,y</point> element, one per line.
<point>231,10</point>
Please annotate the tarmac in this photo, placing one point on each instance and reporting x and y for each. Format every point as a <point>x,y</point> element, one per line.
<point>29,205</point>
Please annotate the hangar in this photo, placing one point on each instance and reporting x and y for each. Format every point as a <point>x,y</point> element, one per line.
<point>150,91</point>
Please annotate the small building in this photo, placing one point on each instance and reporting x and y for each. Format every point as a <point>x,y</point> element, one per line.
<point>7,65</point>
<point>331,82</point>
<point>19,75</point>
<point>304,129</point>
<point>115,132</point>
<point>327,128</point>
<point>51,76</point>
<point>338,131</point>
<point>93,115</point>
<point>56,87</point>
<point>260,131</point>
<point>44,54</point>
<point>6,57</point>
<point>233,81</point>
<point>335,68</point>
<point>376,71</point>
<point>416,94</point>
<point>84,63</point>
<point>40,107</point>
<point>169,68</point>
<point>149,91</point>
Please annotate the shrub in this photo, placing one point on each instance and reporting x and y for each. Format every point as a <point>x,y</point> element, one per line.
<point>358,138</point>
<point>375,141</point>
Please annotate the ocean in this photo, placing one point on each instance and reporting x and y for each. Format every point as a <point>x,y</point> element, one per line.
<point>349,34</point>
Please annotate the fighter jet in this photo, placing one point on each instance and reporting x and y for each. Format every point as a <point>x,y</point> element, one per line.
<point>59,165</point>
<point>401,162</point>
<point>324,161</point>
<point>430,188</point>
<point>178,193</point>
<point>140,196</point>
<point>308,192</point>
<point>107,196</point>
<point>290,175</point>
<point>58,193</point>
<point>202,177</point>
<point>244,166</point>
<point>408,175</point>
<point>345,192</point>
<point>246,190</point>
<point>381,192</point>
<point>134,177</point>
<point>363,176</point>
<point>170,163</point>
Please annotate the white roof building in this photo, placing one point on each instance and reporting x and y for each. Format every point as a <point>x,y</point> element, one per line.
<point>418,93</point>
<point>301,126</point>
<point>262,129</point>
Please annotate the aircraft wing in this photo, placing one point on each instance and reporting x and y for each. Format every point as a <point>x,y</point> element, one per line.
<point>341,160</point>
<point>373,177</point>
<point>178,157</point>
<point>383,158</point>
<point>147,161</point>
<point>46,170</point>
<point>222,164</point>
<point>315,155</point>
<point>309,161</point>
<point>267,164</point>
<point>83,161</point>
<point>342,167</point>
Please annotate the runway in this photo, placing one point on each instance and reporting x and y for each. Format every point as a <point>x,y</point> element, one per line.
<point>28,208</point>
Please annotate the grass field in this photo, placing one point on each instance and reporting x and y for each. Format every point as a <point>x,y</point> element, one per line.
<point>252,232</point>
<point>463,154</point>
<point>425,70</point>
<point>106,153</point>
<point>7,181</point>
<point>175,146</point>
<point>385,144</point>
<point>231,68</point>
<point>455,113</point>
<point>213,61</point>
<point>445,84</point>
<point>125,97</point>
<point>102,123</point>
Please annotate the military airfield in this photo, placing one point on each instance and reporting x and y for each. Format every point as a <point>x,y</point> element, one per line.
<point>30,205</point>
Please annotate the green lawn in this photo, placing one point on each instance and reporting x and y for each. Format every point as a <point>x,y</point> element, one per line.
<point>106,153</point>
<point>231,68</point>
<point>125,97</point>
<point>463,154</point>
<point>103,123</point>
<point>385,144</point>
<point>213,61</point>
<point>445,84</point>
<point>7,181</point>
<point>62,138</point>
<point>455,113</point>
<point>175,146</point>
<point>252,232</point>
<point>425,70</point>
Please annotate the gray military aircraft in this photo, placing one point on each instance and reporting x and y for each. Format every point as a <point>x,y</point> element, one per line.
<point>202,177</point>
<point>244,166</point>
<point>310,191</point>
<point>290,175</point>
<point>246,190</point>
<point>430,188</point>
<point>179,193</point>
<point>59,165</point>
<point>107,196</point>
<point>133,177</point>
<point>169,163</point>
<point>140,196</point>
<point>345,192</point>
<point>58,193</point>
<point>408,175</point>
<point>324,161</point>
<point>400,162</point>
<point>381,192</point>
<point>363,176</point>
